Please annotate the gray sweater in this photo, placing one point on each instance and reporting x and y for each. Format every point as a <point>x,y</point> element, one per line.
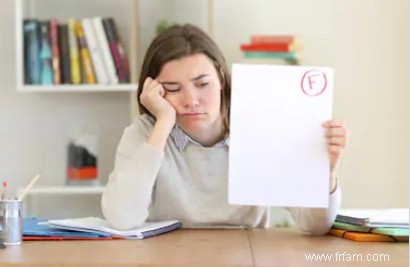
<point>187,183</point>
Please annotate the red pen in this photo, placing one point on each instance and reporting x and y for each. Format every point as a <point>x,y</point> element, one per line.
<point>3,194</point>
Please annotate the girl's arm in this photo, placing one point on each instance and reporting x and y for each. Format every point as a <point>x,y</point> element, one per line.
<point>127,197</point>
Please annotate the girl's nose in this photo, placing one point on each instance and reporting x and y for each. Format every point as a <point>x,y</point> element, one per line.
<point>190,98</point>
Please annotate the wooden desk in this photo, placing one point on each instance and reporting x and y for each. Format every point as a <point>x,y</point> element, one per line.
<point>201,248</point>
<point>289,248</point>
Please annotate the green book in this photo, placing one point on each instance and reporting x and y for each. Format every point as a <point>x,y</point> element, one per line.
<point>377,230</point>
<point>279,55</point>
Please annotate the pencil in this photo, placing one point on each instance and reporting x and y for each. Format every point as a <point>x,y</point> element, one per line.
<point>28,187</point>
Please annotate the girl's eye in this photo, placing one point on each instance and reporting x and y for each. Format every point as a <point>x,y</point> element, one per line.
<point>202,85</point>
<point>171,88</point>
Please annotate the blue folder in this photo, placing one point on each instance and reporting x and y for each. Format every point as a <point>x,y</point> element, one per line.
<point>31,227</point>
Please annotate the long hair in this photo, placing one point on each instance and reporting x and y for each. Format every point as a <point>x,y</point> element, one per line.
<point>180,41</point>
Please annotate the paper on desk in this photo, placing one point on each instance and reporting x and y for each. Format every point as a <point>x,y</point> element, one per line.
<point>278,149</point>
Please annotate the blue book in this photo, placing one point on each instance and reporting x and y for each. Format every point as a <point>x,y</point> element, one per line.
<point>37,227</point>
<point>32,45</point>
<point>45,54</point>
<point>277,55</point>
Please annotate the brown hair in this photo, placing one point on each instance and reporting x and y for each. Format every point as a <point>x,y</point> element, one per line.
<point>180,41</point>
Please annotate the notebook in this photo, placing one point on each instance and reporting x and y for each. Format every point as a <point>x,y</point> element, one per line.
<point>377,230</point>
<point>35,229</point>
<point>367,237</point>
<point>375,217</point>
<point>100,226</point>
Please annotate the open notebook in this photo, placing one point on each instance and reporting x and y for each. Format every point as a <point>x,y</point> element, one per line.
<point>98,225</point>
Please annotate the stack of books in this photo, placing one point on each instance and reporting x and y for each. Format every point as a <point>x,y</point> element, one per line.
<point>81,51</point>
<point>272,49</point>
<point>377,225</point>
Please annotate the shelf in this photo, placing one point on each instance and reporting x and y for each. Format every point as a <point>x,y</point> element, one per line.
<point>81,88</point>
<point>65,190</point>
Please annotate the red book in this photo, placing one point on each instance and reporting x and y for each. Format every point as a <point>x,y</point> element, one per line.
<point>55,51</point>
<point>279,47</point>
<point>263,39</point>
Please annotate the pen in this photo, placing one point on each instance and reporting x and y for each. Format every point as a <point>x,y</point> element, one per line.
<point>3,194</point>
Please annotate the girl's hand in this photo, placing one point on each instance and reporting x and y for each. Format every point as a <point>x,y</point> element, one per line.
<point>337,136</point>
<point>152,98</point>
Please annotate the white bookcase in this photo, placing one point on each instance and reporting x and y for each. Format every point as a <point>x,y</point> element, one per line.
<point>62,9</point>
<point>128,24</point>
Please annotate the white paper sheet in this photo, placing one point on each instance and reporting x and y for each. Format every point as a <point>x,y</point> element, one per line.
<point>278,149</point>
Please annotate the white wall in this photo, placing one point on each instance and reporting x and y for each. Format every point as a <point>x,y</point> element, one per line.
<point>36,128</point>
<point>365,41</point>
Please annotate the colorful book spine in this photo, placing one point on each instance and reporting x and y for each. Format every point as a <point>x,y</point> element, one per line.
<point>267,39</point>
<point>367,237</point>
<point>117,50</point>
<point>55,51</point>
<point>279,47</point>
<point>95,52</point>
<point>45,54</point>
<point>64,54</point>
<point>74,53</point>
<point>105,50</point>
<point>86,63</point>
<point>32,64</point>
<point>284,55</point>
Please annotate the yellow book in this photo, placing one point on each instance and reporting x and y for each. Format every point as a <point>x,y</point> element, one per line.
<point>74,54</point>
<point>86,63</point>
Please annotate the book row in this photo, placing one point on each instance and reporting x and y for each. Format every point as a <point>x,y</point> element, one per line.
<point>81,51</point>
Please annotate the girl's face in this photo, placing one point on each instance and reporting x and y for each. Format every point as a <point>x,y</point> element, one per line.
<point>193,88</point>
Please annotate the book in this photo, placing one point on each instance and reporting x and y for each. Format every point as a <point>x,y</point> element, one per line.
<point>377,230</point>
<point>375,217</point>
<point>36,227</point>
<point>274,39</point>
<point>87,69</point>
<point>117,50</point>
<point>100,226</point>
<point>32,45</point>
<point>95,52</point>
<point>55,51</point>
<point>274,47</point>
<point>367,237</point>
<point>281,55</point>
<point>45,54</point>
<point>64,53</point>
<point>105,49</point>
<point>75,67</point>
<point>270,61</point>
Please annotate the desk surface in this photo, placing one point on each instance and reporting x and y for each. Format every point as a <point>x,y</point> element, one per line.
<point>205,248</point>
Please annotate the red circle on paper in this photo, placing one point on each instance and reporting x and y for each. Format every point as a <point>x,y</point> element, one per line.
<point>316,87</point>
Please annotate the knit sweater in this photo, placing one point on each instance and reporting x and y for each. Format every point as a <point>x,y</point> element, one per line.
<point>188,184</point>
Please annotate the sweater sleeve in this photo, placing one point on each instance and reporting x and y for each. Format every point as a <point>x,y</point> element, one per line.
<point>128,193</point>
<point>317,221</point>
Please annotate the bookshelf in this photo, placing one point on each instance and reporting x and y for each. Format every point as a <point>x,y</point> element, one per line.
<point>82,88</point>
<point>44,9</point>
<point>62,10</point>
<point>125,14</point>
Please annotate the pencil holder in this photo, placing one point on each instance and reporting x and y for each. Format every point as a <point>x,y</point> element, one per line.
<point>11,221</point>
